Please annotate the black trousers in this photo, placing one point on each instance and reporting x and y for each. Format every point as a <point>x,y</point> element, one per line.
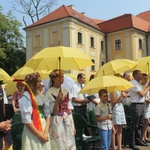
<point>80,109</point>
<point>137,120</point>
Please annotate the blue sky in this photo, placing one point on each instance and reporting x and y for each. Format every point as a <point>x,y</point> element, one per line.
<point>97,9</point>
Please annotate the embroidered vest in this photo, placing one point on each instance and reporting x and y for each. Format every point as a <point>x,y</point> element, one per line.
<point>63,106</point>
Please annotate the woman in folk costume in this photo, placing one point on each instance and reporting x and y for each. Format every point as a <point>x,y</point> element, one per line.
<point>36,130</point>
<point>62,130</point>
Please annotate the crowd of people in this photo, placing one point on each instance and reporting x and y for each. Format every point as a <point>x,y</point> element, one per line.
<point>48,120</point>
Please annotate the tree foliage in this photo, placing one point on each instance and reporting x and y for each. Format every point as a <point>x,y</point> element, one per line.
<point>12,51</point>
<point>35,9</point>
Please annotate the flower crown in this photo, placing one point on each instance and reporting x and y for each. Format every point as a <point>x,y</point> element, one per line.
<point>56,73</point>
<point>32,76</point>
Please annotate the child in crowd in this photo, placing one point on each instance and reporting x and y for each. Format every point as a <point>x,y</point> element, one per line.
<point>103,117</point>
<point>17,94</point>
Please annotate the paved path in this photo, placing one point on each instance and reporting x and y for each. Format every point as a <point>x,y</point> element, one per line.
<point>97,147</point>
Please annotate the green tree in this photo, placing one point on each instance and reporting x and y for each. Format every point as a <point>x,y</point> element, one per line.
<point>12,50</point>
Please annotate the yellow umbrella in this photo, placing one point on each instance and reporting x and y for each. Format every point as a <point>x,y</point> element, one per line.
<point>110,83</point>
<point>116,66</point>
<point>23,71</point>
<point>144,64</point>
<point>10,87</point>
<point>67,58</point>
<point>4,75</point>
<point>44,73</point>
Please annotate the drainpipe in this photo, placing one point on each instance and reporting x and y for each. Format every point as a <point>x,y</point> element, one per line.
<point>107,58</point>
<point>147,53</point>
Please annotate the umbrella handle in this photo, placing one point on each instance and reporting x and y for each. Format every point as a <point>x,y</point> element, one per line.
<point>148,71</point>
<point>59,61</point>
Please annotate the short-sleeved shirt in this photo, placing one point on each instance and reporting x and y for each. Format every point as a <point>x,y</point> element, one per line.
<point>26,107</point>
<point>135,97</point>
<point>102,110</point>
<point>74,91</point>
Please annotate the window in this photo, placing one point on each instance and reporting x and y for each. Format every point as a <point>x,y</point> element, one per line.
<point>93,67</point>
<point>102,45</point>
<point>37,40</point>
<point>79,37</point>
<point>92,42</point>
<point>55,38</point>
<point>140,43</point>
<point>103,63</point>
<point>118,44</point>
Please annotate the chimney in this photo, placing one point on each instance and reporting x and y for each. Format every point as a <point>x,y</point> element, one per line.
<point>83,13</point>
<point>71,6</point>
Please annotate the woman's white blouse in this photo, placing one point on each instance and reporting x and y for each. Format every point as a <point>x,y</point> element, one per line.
<point>26,107</point>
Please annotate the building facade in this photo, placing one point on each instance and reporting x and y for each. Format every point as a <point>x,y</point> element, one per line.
<point>125,36</point>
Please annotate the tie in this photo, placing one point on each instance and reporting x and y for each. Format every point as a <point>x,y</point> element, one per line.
<point>83,94</point>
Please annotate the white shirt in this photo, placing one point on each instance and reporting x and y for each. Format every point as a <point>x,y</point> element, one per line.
<point>135,97</point>
<point>26,108</point>
<point>92,105</point>
<point>74,91</point>
<point>4,96</point>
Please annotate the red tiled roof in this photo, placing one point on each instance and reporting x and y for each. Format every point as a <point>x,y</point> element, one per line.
<point>118,23</point>
<point>124,22</point>
<point>98,21</point>
<point>63,12</point>
<point>144,15</point>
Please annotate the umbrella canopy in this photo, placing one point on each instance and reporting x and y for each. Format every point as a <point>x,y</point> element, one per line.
<point>144,64</point>
<point>22,72</point>
<point>116,66</point>
<point>4,76</point>
<point>110,83</point>
<point>66,58</point>
<point>10,87</point>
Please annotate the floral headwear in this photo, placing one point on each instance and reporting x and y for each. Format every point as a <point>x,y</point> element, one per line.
<point>35,112</point>
<point>31,76</point>
<point>55,73</point>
